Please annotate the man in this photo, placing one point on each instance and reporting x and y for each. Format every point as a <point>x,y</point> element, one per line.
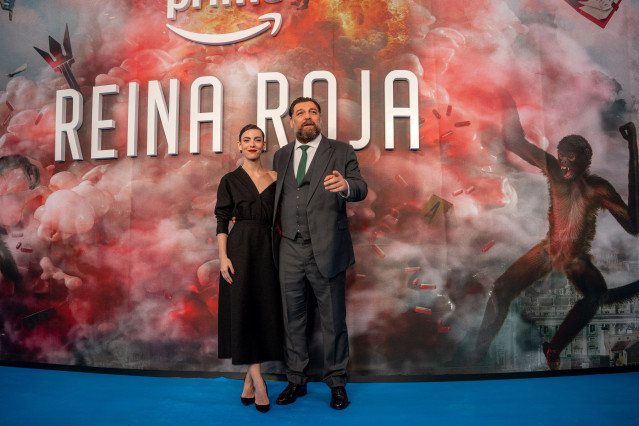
<point>316,176</point>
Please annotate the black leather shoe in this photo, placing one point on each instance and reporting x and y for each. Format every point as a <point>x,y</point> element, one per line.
<point>247,401</point>
<point>339,399</point>
<point>290,394</point>
<point>262,408</point>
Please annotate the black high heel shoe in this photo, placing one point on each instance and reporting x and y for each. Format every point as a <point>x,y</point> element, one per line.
<point>247,401</point>
<point>263,408</point>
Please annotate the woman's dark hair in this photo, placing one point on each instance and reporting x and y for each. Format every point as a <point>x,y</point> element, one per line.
<point>250,127</point>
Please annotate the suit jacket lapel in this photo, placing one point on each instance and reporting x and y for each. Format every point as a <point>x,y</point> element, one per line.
<point>282,168</point>
<point>320,164</point>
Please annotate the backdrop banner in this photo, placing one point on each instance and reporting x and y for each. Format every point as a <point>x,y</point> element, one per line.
<point>479,249</point>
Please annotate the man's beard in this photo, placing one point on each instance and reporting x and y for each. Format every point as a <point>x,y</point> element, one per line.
<point>306,134</point>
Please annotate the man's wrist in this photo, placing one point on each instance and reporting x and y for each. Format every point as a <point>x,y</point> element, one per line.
<point>346,193</point>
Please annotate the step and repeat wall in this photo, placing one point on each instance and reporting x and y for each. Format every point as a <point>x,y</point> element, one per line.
<point>118,119</point>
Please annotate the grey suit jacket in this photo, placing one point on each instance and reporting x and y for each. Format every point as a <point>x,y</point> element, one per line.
<point>327,221</point>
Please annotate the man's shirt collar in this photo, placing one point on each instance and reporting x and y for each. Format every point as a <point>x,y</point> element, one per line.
<point>314,143</point>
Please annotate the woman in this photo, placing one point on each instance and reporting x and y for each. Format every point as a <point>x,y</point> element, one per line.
<point>250,325</point>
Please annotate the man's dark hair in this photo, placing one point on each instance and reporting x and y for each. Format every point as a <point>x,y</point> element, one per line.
<point>299,101</point>
<point>250,127</point>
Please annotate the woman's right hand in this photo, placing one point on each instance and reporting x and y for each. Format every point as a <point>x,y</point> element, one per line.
<point>226,269</point>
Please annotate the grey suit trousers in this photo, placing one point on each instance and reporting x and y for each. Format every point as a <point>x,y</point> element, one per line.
<point>297,267</point>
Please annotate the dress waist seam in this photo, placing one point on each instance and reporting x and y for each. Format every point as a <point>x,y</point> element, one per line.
<point>251,222</point>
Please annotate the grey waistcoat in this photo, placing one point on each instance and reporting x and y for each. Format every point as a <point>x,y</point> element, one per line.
<point>293,218</point>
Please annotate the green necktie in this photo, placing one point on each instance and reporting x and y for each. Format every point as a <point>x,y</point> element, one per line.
<point>301,169</point>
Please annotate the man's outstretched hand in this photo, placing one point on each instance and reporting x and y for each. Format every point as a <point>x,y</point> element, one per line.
<point>335,182</point>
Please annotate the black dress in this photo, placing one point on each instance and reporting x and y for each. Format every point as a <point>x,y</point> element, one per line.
<point>250,324</point>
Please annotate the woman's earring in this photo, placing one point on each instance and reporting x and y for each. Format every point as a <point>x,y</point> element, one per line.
<point>240,151</point>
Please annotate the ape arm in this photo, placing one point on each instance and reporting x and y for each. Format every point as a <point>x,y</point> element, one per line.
<point>515,140</point>
<point>626,215</point>
<point>631,214</point>
<point>629,133</point>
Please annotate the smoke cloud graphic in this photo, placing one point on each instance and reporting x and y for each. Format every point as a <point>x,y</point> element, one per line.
<point>121,262</point>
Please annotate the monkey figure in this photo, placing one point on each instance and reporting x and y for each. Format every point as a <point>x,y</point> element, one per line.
<point>576,196</point>
<point>8,267</point>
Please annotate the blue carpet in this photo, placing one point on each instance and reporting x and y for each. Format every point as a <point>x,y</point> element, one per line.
<point>35,397</point>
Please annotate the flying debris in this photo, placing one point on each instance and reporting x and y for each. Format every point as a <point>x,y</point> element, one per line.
<point>8,5</point>
<point>18,70</point>
<point>59,61</point>
<point>597,11</point>
<point>301,4</point>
